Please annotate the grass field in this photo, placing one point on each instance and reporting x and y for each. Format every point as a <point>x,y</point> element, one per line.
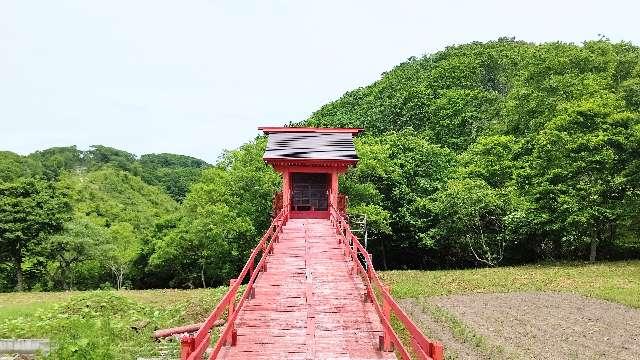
<point>97,324</point>
<point>612,281</point>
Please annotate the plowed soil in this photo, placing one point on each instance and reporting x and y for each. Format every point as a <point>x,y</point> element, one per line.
<point>538,325</point>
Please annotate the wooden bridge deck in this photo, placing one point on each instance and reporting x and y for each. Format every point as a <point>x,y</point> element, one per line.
<point>307,305</point>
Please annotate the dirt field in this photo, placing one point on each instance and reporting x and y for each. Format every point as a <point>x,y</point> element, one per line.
<point>532,326</point>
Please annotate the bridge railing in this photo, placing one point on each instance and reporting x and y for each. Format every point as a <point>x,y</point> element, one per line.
<point>379,294</point>
<point>194,346</point>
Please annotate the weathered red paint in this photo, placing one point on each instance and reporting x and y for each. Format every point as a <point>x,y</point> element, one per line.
<point>420,344</point>
<point>308,214</point>
<point>193,347</point>
<point>318,299</point>
<point>307,306</point>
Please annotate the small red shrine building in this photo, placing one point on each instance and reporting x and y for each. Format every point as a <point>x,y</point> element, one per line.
<point>310,161</point>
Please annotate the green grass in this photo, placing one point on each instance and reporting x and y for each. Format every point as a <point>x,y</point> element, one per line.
<point>613,281</point>
<point>97,324</point>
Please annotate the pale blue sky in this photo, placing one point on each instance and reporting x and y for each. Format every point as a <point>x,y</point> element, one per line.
<point>195,77</point>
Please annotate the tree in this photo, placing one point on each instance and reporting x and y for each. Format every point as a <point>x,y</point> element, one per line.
<point>395,170</point>
<point>100,155</point>
<point>469,214</point>
<point>30,210</point>
<point>109,196</point>
<point>492,159</point>
<point>14,166</point>
<point>80,241</point>
<point>121,211</point>
<point>174,173</point>
<point>577,183</point>
<point>206,248</point>
<point>120,251</point>
<point>55,160</point>
<point>222,218</point>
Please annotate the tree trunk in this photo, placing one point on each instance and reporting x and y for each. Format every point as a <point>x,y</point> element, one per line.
<point>63,275</point>
<point>64,281</point>
<point>594,248</point>
<point>118,272</point>
<point>17,262</point>
<point>384,254</point>
<point>204,284</point>
<point>612,231</point>
<point>120,278</point>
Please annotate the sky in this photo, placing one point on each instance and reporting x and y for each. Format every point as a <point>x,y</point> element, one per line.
<point>196,77</point>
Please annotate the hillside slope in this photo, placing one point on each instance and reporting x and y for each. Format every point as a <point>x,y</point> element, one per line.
<point>498,152</point>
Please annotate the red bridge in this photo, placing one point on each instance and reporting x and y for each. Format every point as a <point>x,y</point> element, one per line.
<point>310,291</point>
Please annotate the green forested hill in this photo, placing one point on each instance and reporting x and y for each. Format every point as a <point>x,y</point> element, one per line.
<point>106,206</point>
<point>499,152</point>
<point>482,154</point>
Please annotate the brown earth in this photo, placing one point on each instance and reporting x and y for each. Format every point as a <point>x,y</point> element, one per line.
<point>537,325</point>
<point>454,348</point>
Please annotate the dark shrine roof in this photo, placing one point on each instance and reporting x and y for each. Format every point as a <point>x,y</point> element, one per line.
<point>310,144</point>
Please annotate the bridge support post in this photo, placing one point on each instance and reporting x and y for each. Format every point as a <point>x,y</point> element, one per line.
<point>232,309</point>
<point>437,351</point>
<point>187,345</point>
<point>234,338</point>
<point>387,345</point>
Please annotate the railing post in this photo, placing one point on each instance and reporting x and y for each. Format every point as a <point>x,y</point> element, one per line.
<point>232,310</point>
<point>187,345</point>
<point>386,311</point>
<point>234,337</point>
<point>437,350</point>
<point>353,254</point>
<point>366,298</point>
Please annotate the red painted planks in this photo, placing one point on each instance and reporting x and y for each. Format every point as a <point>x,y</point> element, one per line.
<point>307,305</point>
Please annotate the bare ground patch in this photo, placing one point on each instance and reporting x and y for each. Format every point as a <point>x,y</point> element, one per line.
<point>543,325</point>
<point>454,348</point>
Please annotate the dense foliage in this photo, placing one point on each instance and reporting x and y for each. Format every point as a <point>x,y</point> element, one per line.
<point>542,153</point>
<point>478,155</point>
<point>73,219</point>
<point>225,213</point>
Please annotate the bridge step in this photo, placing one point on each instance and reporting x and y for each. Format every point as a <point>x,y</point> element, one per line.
<point>307,305</point>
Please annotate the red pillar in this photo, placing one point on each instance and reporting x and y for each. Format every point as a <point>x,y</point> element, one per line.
<point>333,193</point>
<point>286,189</point>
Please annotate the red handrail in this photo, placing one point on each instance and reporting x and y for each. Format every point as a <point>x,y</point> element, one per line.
<point>421,346</point>
<point>193,347</point>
